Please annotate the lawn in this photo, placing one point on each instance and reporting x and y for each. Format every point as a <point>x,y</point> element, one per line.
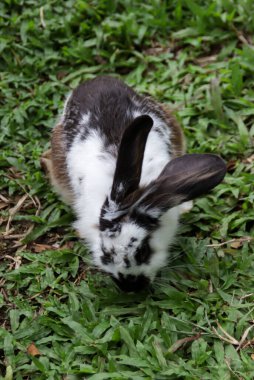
<point>59,317</point>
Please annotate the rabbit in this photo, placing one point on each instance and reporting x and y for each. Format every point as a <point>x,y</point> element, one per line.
<point>118,158</point>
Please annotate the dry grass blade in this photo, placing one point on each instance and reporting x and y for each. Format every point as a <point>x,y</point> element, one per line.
<point>231,370</point>
<point>230,339</point>
<point>16,259</point>
<point>227,337</point>
<point>203,61</point>
<point>3,204</point>
<point>243,338</point>
<point>231,241</point>
<point>224,338</point>
<point>210,288</point>
<point>241,37</point>
<point>249,160</point>
<point>246,296</point>
<point>179,343</point>
<point>248,343</point>
<point>4,199</point>
<point>227,334</point>
<point>13,211</point>
<point>12,237</point>
<point>43,24</point>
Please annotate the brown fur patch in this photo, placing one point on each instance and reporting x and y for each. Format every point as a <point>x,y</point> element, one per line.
<point>177,136</point>
<point>59,165</point>
<point>54,163</point>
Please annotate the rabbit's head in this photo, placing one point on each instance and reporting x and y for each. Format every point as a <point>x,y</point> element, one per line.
<point>134,227</point>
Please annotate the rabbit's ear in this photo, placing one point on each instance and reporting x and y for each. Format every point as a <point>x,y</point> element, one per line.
<point>181,180</point>
<point>130,158</point>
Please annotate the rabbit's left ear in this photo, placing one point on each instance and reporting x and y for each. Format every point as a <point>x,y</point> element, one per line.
<point>130,158</point>
<point>184,178</point>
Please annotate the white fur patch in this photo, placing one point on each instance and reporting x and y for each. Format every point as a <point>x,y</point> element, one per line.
<point>91,178</point>
<point>112,211</point>
<point>163,237</point>
<point>186,207</point>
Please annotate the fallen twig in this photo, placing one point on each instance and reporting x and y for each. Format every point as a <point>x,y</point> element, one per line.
<point>240,240</point>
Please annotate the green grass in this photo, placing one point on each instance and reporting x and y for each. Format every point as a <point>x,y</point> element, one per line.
<point>197,320</point>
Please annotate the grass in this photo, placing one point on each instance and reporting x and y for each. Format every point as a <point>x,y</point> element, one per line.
<point>60,319</point>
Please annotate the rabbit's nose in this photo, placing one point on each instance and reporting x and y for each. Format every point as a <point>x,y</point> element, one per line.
<point>131,283</point>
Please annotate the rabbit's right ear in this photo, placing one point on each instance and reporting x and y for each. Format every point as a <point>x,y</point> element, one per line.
<point>130,158</point>
<point>182,179</point>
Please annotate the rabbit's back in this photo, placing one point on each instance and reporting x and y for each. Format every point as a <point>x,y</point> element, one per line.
<point>104,105</point>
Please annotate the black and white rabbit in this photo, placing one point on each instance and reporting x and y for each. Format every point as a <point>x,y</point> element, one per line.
<point>118,159</point>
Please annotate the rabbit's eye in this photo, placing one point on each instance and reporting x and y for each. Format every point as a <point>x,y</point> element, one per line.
<point>108,256</point>
<point>114,230</point>
<point>143,253</point>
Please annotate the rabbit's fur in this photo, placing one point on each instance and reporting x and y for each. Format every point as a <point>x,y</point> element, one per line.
<point>116,160</point>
